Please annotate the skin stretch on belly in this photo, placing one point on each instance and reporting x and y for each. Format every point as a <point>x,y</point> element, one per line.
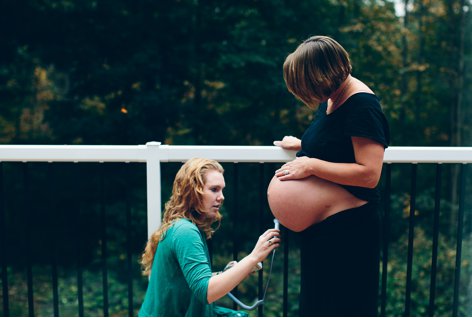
<point>298,204</point>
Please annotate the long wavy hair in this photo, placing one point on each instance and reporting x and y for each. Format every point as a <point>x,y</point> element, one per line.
<point>185,202</point>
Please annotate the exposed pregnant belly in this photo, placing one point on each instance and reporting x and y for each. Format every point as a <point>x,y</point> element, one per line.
<point>298,204</point>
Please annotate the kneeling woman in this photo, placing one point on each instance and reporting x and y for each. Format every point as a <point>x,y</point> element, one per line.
<point>176,256</point>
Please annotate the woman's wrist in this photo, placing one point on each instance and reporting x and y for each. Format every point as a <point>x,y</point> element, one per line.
<point>251,259</point>
<point>312,167</point>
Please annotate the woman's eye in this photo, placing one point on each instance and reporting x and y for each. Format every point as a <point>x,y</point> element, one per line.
<point>216,189</point>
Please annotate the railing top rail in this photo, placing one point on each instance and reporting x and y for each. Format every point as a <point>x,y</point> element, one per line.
<point>169,153</point>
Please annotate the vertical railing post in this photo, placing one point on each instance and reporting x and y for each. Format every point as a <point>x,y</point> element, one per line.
<point>235,220</point>
<point>411,240</point>
<point>79,244</point>
<point>104,245</point>
<point>153,177</point>
<point>434,257</point>
<point>285,235</point>
<point>129,253</point>
<point>3,247</point>
<point>52,206</point>
<point>28,227</point>
<point>385,238</point>
<point>460,229</point>
<point>262,198</point>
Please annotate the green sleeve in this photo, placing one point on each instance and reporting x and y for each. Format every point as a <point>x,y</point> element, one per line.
<point>190,250</point>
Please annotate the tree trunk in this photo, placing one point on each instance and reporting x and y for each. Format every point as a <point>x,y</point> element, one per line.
<point>404,73</point>
<point>420,61</point>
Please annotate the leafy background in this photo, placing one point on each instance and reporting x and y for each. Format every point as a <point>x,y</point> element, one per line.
<point>203,72</point>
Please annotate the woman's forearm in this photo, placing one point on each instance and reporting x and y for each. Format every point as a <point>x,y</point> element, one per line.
<point>352,174</point>
<point>220,285</point>
<point>364,172</point>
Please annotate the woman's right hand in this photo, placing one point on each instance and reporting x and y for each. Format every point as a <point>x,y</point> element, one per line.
<point>267,243</point>
<point>220,285</point>
<point>289,143</point>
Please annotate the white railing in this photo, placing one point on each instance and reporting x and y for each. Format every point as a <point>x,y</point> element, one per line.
<point>152,153</point>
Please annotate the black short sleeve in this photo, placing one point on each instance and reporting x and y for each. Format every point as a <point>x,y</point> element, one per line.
<point>365,118</point>
<point>329,136</point>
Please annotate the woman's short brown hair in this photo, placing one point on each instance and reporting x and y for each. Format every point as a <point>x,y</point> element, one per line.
<point>316,69</point>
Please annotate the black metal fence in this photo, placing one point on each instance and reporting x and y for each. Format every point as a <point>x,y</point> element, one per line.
<point>71,236</point>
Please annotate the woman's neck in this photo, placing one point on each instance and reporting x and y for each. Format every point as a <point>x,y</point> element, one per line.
<point>340,95</point>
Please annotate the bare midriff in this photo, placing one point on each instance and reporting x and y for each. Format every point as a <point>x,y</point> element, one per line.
<point>298,204</point>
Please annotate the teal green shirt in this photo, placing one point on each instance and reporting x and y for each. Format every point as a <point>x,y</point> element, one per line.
<point>180,274</point>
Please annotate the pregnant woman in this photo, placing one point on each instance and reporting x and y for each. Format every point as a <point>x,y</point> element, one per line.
<point>329,192</point>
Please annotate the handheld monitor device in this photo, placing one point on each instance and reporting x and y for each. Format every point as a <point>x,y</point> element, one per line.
<point>260,301</point>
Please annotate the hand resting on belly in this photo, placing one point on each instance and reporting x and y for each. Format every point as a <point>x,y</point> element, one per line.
<point>298,204</point>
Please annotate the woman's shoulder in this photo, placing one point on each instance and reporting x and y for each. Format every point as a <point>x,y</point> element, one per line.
<point>182,232</point>
<point>364,96</point>
<point>363,101</point>
<point>183,223</point>
<point>184,227</point>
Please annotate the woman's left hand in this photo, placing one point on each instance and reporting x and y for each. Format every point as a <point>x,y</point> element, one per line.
<point>297,169</point>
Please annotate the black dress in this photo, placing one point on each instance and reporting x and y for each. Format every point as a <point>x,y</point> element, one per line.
<point>340,255</point>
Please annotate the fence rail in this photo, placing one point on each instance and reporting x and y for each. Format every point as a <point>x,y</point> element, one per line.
<point>153,154</point>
